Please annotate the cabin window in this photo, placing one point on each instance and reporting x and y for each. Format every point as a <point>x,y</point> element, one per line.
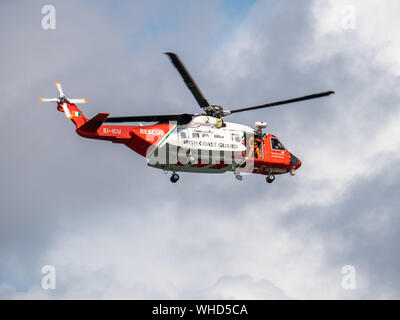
<point>205,135</point>
<point>236,138</point>
<point>276,145</point>
<point>195,135</point>
<point>183,135</point>
<point>218,136</point>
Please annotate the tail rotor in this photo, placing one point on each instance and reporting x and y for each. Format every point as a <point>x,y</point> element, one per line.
<point>63,100</point>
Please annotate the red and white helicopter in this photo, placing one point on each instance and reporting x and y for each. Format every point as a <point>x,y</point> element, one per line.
<point>192,142</point>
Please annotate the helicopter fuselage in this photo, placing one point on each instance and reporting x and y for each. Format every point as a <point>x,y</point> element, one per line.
<point>204,145</point>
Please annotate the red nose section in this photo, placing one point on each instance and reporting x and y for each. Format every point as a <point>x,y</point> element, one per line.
<point>298,165</point>
<point>294,161</point>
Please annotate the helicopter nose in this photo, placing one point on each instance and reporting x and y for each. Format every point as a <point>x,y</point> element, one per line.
<point>294,161</point>
<point>298,164</point>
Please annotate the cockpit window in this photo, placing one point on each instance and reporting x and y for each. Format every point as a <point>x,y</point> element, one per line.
<point>276,145</point>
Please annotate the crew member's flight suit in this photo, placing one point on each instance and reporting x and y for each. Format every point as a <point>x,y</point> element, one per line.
<point>255,146</point>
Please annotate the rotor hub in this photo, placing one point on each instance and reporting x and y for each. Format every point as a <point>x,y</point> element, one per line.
<point>214,110</point>
<point>63,100</point>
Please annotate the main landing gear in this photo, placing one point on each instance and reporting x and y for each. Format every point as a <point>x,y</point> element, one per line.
<point>174,178</point>
<point>270,178</point>
<point>239,177</point>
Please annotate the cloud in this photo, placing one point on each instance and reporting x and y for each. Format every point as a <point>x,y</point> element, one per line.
<point>244,287</point>
<point>115,228</point>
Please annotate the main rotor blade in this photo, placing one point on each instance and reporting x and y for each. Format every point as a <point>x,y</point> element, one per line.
<point>181,118</point>
<point>190,83</point>
<point>49,100</point>
<point>277,103</point>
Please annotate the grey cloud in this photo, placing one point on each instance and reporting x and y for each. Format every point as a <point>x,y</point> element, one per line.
<point>107,221</point>
<point>245,287</point>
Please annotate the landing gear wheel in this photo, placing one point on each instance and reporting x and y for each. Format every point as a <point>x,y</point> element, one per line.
<point>270,178</point>
<point>174,178</point>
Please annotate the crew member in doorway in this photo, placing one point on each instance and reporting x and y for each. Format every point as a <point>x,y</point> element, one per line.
<point>255,144</point>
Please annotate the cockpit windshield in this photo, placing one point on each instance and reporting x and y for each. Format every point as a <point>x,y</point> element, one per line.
<point>277,145</point>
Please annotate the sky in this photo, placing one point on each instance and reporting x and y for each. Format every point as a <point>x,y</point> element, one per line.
<point>114,228</point>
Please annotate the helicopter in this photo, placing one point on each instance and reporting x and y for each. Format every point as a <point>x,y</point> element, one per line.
<point>192,142</point>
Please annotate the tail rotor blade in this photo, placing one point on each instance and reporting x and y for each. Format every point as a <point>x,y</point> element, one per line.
<point>84,100</point>
<point>66,111</point>
<point>49,100</point>
<point>59,88</point>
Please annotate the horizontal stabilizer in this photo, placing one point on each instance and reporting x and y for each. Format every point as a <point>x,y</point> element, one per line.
<point>95,123</point>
